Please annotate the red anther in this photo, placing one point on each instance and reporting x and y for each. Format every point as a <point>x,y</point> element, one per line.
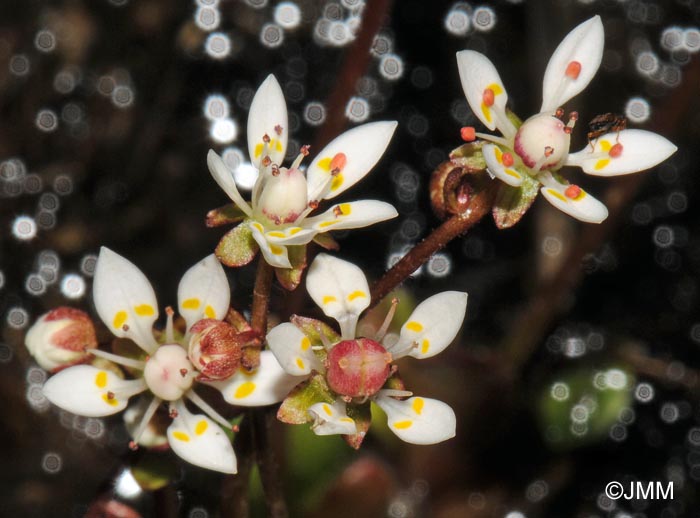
<point>559,113</point>
<point>338,162</point>
<point>235,428</point>
<point>488,97</point>
<point>133,446</point>
<point>266,161</point>
<point>573,116</point>
<point>183,372</point>
<point>572,191</point>
<point>568,130</point>
<point>337,212</point>
<point>548,151</point>
<point>275,170</point>
<point>278,129</point>
<point>305,150</point>
<point>169,311</point>
<point>573,70</point>
<point>110,394</point>
<point>266,138</point>
<point>313,204</point>
<point>173,413</point>
<point>125,328</point>
<point>616,150</point>
<point>508,159</point>
<point>468,133</point>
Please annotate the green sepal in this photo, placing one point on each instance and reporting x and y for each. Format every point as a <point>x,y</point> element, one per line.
<point>294,409</point>
<point>290,278</point>
<point>311,327</point>
<point>154,470</point>
<point>326,241</point>
<point>362,415</point>
<point>469,155</point>
<point>237,247</point>
<point>394,382</point>
<point>513,202</point>
<point>225,215</point>
<point>237,321</point>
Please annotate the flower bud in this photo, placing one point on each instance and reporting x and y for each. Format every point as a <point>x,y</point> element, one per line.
<point>357,368</point>
<point>284,196</point>
<point>60,338</point>
<point>215,349</point>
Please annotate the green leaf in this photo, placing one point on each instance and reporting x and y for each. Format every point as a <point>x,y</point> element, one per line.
<point>362,415</point>
<point>237,247</point>
<point>326,241</point>
<point>311,327</point>
<point>290,278</point>
<point>224,215</point>
<point>469,155</point>
<point>294,409</point>
<point>513,202</point>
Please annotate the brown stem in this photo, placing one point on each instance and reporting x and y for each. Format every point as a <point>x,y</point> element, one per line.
<point>261,421</point>
<point>234,489</point>
<point>258,317</point>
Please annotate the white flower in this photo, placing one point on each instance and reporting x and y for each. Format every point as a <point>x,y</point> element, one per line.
<point>282,198</point>
<point>126,303</point>
<point>540,147</point>
<point>356,368</point>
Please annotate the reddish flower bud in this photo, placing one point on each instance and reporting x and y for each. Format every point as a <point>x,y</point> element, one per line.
<point>60,338</point>
<point>357,368</point>
<point>215,349</point>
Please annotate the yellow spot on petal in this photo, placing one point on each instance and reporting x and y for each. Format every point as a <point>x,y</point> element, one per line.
<point>557,195</point>
<point>328,299</point>
<point>600,164</point>
<point>119,319</point>
<point>499,155</point>
<point>512,173</point>
<point>300,364</point>
<point>605,145</point>
<point>486,111</point>
<point>337,182</point>
<point>305,344</point>
<point>258,150</point>
<point>294,231</point>
<point>426,345</point>
<point>101,379</point>
<point>276,234</point>
<point>496,88</point>
<point>258,227</point>
<point>356,294</point>
<point>202,427</point>
<point>192,303</point>
<point>110,401</point>
<point>325,163</point>
<point>327,409</point>
<point>278,145</point>
<point>345,209</point>
<point>414,326</point>
<point>181,436</point>
<point>418,404</point>
<point>244,390</point>
<point>209,312</point>
<point>276,250</point>
<point>581,195</point>
<point>346,420</point>
<point>326,224</point>
<point>144,310</point>
<point>402,425</point>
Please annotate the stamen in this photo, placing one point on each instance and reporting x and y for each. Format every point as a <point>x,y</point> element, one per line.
<point>496,140</point>
<point>508,159</point>
<point>305,149</point>
<point>337,212</point>
<point>204,407</point>
<point>313,204</point>
<point>266,161</point>
<point>395,393</point>
<point>183,372</point>
<point>338,163</point>
<point>573,70</point>
<point>266,138</point>
<point>173,413</point>
<point>548,151</point>
<point>299,158</point>
<point>559,113</point>
<point>147,415</point>
<point>110,395</point>
<point>235,428</point>
<point>468,133</point>
<point>616,150</point>
<point>572,191</point>
<point>127,362</point>
<point>275,170</point>
<point>379,336</point>
<point>125,328</point>
<point>278,129</point>
<point>133,446</point>
<point>169,328</point>
<point>488,97</point>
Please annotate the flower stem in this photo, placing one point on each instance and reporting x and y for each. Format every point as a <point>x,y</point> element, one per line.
<point>261,421</point>
<point>258,311</point>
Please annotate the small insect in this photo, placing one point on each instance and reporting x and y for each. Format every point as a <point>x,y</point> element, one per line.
<point>605,123</point>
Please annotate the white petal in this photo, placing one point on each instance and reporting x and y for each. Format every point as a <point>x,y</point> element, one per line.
<point>85,390</point>
<point>331,419</point>
<point>640,150</point>
<point>419,420</point>
<point>340,289</point>
<point>274,254</point>
<point>294,235</point>
<point>292,349</point>
<point>200,441</point>
<point>478,74</point>
<point>433,325</point>
<point>356,214</point>
<point>267,385</point>
<point>268,116</point>
<point>124,299</point>
<point>583,45</point>
<point>224,178</point>
<point>584,207</point>
<point>362,146</point>
<point>494,161</point>
<point>204,292</point>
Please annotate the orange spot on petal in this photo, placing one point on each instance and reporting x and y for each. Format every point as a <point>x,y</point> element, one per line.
<point>616,150</point>
<point>573,70</point>
<point>572,191</point>
<point>488,97</point>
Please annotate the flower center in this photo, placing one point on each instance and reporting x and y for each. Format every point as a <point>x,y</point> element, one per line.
<point>542,142</point>
<point>284,196</point>
<point>168,373</point>
<point>357,368</point>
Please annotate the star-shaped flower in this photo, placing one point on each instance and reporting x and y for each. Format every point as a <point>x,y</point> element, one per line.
<point>282,199</point>
<point>539,148</point>
<point>126,303</point>
<point>345,372</point>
